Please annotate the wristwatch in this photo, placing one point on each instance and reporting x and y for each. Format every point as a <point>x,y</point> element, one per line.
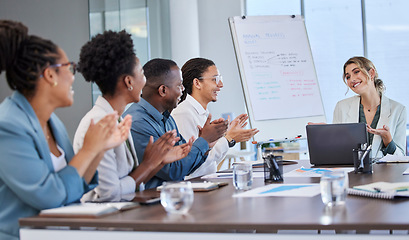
<point>231,141</point>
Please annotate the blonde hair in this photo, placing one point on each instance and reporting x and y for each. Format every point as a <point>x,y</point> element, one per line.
<point>365,65</point>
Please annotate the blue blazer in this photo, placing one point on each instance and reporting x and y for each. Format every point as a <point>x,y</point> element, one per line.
<point>28,182</point>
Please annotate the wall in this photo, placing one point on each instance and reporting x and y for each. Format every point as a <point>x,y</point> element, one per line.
<point>200,28</point>
<point>66,24</point>
<point>197,28</point>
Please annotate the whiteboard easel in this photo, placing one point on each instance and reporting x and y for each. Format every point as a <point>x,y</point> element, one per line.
<point>277,74</point>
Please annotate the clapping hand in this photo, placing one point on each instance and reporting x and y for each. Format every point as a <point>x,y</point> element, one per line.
<point>98,135</point>
<point>236,129</point>
<point>212,131</point>
<point>120,133</point>
<point>178,152</point>
<point>157,152</point>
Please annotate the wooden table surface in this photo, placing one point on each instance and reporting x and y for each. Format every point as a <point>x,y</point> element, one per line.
<point>218,211</point>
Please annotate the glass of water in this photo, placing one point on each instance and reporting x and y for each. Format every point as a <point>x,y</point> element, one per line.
<point>334,188</point>
<point>176,197</point>
<point>242,176</point>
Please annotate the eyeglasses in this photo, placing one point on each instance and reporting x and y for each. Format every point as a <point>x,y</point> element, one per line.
<point>72,66</point>
<point>217,79</point>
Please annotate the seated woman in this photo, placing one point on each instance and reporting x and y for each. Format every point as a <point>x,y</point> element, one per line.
<point>38,168</point>
<point>385,118</point>
<point>109,60</point>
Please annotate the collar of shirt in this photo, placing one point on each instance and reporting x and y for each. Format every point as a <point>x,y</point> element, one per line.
<point>197,106</point>
<point>165,116</point>
<point>101,102</point>
<point>151,110</point>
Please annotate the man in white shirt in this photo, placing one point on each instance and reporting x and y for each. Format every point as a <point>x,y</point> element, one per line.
<point>202,83</point>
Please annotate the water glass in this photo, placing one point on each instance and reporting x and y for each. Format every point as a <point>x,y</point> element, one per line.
<point>242,176</point>
<point>334,187</point>
<point>176,197</point>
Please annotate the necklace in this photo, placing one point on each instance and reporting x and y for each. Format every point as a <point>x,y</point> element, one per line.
<point>369,109</point>
<point>46,133</point>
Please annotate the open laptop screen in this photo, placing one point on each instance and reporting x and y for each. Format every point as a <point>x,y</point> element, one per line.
<point>332,144</point>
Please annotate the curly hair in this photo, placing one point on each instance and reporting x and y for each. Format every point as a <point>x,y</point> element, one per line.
<point>194,68</point>
<point>107,57</point>
<point>24,57</point>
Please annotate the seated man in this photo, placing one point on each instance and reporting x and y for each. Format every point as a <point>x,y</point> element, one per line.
<point>202,82</point>
<point>151,117</point>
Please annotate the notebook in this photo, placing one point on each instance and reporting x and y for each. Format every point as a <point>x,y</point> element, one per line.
<point>332,144</point>
<point>383,190</point>
<point>88,210</point>
<point>202,186</point>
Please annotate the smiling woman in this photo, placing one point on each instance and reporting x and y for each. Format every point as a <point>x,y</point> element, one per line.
<point>109,60</point>
<point>385,118</point>
<point>38,168</point>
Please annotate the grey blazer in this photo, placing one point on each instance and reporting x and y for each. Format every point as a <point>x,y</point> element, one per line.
<point>393,114</point>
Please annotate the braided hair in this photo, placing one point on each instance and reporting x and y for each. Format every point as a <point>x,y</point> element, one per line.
<point>194,68</point>
<point>24,57</point>
<point>106,58</point>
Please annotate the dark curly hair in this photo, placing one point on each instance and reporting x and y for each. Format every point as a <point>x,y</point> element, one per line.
<point>106,58</point>
<point>194,68</point>
<point>24,57</point>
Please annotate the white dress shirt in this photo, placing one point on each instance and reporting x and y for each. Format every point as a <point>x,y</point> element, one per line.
<point>188,115</point>
<point>114,184</point>
<point>393,114</point>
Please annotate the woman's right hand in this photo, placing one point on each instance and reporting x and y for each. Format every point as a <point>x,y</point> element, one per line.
<point>98,135</point>
<point>120,133</point>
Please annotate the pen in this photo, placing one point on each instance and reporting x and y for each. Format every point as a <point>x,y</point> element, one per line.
<point>363,157</point>
<point>400,189</point>
<point>225,175</point>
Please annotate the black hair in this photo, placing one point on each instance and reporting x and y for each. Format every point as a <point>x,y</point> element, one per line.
<point>107,57</point>
<point>194,68</point>
<point>24,57</point>
<point>156,71</point>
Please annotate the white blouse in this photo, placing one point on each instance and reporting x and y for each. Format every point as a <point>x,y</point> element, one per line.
<point>58,162</point>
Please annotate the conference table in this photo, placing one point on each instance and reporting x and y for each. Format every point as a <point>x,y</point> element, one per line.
<point>218,212</point>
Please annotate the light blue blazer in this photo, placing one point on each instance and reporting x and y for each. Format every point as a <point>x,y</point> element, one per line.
<point>393,114</point>
<point>28,182</point>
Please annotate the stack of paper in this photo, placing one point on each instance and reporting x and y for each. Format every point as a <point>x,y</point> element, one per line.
<point>393,159</point>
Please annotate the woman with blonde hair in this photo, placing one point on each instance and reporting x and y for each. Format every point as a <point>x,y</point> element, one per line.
<point>385,118</point>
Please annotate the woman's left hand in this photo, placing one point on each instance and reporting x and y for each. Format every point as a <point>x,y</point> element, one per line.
<point>383,132</point>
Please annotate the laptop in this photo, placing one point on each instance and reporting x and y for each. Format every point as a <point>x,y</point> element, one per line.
<point>332,144</point>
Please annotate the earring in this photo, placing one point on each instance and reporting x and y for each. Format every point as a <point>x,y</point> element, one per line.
<point>130,88</point>
<point>55,84</point>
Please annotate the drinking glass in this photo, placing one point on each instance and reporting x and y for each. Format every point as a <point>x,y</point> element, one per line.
<point>242,176</point>
<point>176,197</point>
<point>334,187</point>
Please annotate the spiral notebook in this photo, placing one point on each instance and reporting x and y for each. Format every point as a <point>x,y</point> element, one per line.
<point>384,190</point>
